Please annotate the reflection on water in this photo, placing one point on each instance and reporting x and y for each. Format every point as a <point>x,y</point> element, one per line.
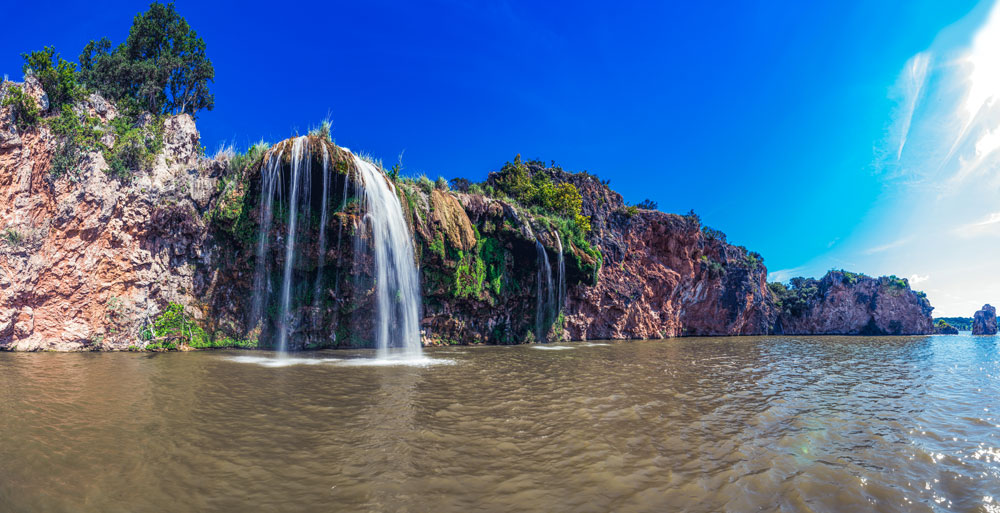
<point>721,424</point>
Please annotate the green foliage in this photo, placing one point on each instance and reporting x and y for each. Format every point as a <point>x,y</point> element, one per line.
<point>24,106</point>
<point>161,68</point>
<point>896,283</point>
<point>322,131</point>
<point>174,326</point>
<point>715,269</point>
<point>480,271</point>
<point>437,247</point>
<point>76,136</point>
<point>753,259</point>
<point>630,211</point>
<point>135,147</point>
<point>57,76</point>
<point>460,184</point>
<point>425,184</point>
<point>960,323</point>
<point>13,237</point>
<point>241,162</point>
<point>794,300</point>
<point>713,234</point>
<point>647,204</point>
<point>692,218</point>
<point>537,190</point>
<point>441,184</point>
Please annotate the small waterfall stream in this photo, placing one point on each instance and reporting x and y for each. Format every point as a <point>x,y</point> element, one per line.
<point>293,211</point>
<point>562,276</point>
<point>322,229</point>
<point>544,302</point>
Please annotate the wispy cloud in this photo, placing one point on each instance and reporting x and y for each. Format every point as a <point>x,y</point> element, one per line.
<point>784,274</point>
<point>988,225</point>
<point>886,247</point>
<point>911,85</point>
<point>916,278</point>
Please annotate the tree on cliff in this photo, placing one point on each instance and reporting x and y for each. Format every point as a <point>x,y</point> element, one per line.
<point>161,67</point>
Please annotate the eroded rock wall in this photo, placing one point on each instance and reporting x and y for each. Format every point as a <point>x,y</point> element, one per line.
<point>853,304</point>
<point>86,260</point>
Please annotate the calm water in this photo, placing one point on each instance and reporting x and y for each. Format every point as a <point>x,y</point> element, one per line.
<point>722,424</point>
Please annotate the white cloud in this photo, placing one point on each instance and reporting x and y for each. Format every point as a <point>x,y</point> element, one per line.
<point>985,226</point>
<point>910,86</point>
<point>916,278</point>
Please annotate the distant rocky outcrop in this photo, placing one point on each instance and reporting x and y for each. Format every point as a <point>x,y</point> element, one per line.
<point>984,322</point>
<point>845,303</point>
<point>943,328</point>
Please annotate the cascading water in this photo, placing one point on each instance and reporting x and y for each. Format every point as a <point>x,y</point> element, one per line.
<point>322,229</point>
<point>293,209</point>
<point>397,284</point>
<point>562,276</point>
<point>382,237</point>
<point>543,303</point>
<point>269,180</point>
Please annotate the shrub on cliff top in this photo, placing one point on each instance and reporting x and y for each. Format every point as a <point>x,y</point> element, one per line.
<point>24,106</point>
<point>76,136</point>
<point>537,190</point>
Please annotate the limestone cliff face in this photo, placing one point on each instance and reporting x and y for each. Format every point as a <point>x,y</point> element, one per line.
<point>852,304</point>
<point>984,322</point>
<point>86,259</point>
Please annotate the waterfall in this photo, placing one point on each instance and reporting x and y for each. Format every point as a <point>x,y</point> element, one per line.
<point>322,230</point>
<point>397,285</point>
<point>293,211</point>
<point>340,234</point>
<point>269,178</point>
<point>382,236</point>
<point>542,305</point>
<point>562,276</point>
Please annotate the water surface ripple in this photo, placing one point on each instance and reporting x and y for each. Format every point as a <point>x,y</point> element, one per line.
<point>697,424</point>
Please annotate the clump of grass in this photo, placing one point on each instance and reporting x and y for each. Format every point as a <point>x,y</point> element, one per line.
<point>322,131</point>
<point>13,237</point>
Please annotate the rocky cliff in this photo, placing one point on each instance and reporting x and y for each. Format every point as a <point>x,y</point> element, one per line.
<point>86,259</point>
<point>94,260</point>
<point>847,303</point>
<point>984,322</point>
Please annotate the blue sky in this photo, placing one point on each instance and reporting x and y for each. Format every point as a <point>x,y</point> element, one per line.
<point>778,122</point>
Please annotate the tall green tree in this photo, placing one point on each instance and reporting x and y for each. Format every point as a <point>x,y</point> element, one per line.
<point>161,67</point>
<point>56,75</point>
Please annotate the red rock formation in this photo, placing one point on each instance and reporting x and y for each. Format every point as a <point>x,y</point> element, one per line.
<point>855,304</point>
<point>661,278</point>
<point>83,262</point>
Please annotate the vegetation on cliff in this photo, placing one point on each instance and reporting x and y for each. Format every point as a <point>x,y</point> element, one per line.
<point>161,69</point>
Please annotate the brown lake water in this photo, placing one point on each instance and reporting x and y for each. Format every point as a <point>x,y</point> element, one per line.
<point>695,424</point>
